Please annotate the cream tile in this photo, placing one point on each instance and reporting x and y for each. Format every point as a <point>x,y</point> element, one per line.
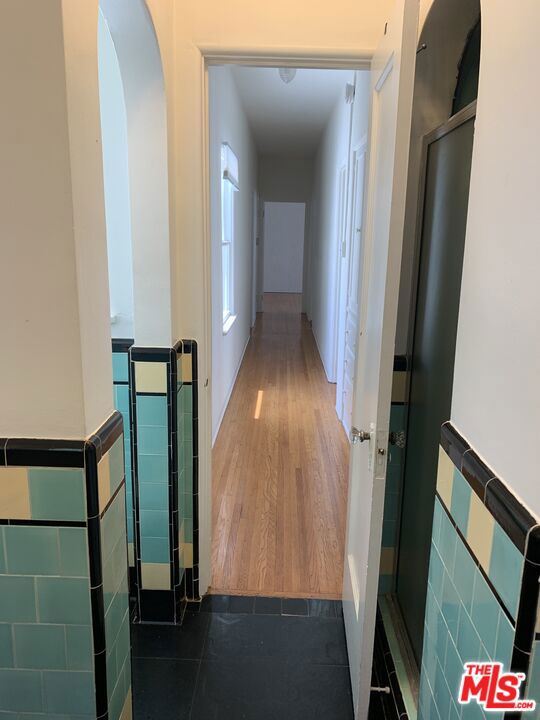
<point>131,555</point>
<point>480,531</point>
<point>399,386</point>
<point>187,549</point>
<point>151,377</point>
<point>187,375</point>
<point>104,481</point>
<point>14,494</point>
<point>156,576</point>
<point>445,478</point>
<point>127,712</point>
<point>387,561</point>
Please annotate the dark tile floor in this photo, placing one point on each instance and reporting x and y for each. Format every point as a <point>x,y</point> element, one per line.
<point>239,658</point>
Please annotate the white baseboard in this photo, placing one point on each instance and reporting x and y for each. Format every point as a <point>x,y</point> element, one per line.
<point>329,376</point>
<point>229,393</point>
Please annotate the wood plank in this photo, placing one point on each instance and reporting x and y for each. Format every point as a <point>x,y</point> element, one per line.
<point>279,483</point>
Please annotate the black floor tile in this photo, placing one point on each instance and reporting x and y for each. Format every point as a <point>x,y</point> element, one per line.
<point>267,606</point>
<point>241,604</point>
<point>163,688</point>
<point>294,606</point>
<point>171,641</point>
<point>215,603</point>
<point>302,639</point>
<point>322,608</point>
<point>271,690</point>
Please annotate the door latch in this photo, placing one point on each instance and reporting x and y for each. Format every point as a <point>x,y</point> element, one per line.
<point>359,435</point>
<point>397,438</point>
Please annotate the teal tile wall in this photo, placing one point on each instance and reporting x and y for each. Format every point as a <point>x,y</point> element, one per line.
<point>122,404</point>
<point>533,681</point>
<point>46,663</point>
<point>185,474</point>
<point>394,472</point>
<point>57,493</point>
<point>116,604</point>
<point>153,477</point>
<point>464,618</point>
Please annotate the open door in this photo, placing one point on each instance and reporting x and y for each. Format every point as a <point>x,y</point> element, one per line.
<point>392,75</point>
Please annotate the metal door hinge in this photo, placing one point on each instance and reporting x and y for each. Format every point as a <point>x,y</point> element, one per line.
<point>359,435</point>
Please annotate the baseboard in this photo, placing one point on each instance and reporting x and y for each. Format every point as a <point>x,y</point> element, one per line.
<point>227,399</point>
<point>329,376</point>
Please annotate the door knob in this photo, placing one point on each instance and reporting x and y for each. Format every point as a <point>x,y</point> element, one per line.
<point>359,435</point>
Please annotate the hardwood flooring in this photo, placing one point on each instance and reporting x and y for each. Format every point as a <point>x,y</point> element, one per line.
<point>280,467</point>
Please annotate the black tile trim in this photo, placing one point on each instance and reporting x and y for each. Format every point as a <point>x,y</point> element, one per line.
<point>477,563</point>
<point>510,514</point>
<point>157,606</point>
<point>96,579</point>
<point>267,605</point>
<point>44,523</point>
<point>150,354</point>
<point>122,344</point>
<point>401,363</point>
<point>32,452</point>
<point>528,607</point>
<point>3,443</point>
<point>105,437</point>
<point>532,549</point>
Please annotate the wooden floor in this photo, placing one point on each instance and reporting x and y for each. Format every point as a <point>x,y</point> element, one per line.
<point>280,467</point>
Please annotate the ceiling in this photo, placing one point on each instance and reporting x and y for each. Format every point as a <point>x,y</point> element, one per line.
<point>289,118</point>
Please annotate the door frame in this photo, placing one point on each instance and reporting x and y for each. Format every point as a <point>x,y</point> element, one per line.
<point>452,123</point>
<point>317,58</point>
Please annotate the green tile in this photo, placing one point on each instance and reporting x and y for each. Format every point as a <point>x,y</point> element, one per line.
<point>437,520</point>
<point>533,682</point>
<point>2,554</point>
<point>505,641</point>
<point>21,690</point>
<point>79,647</point>
<point>463,576</point>
<point>32,550</point>
<point>64,600</point>
<point>6,647</point>
<point>57,494</point>
<point>154,496</point>
<point>450,605</point>
<point>40,647</point>
<point>121,398</point>
<point>152,410</point>
<point>154,523</point>
<point>441,692</point>
<point>73,552</point>
<point>453,668</point>
<point>187,399</point>
<point>436,573</point>
<point>485,613</point>
<point>69,692</point>
<point>17,599</point>
<point>120,363</point>
<point>116,463</point>
<point>461,500</point>
<point>505,569</point>
<point>153,468</point>
<point>468,641</point>
<point>447,543</point>
<point>155,550</point>
<point>152,440</point>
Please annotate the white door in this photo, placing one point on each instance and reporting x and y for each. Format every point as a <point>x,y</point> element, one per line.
<point>354,272</point>
<point>392,74</point>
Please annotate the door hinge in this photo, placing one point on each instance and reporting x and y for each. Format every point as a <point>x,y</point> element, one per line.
<point>397,438</point>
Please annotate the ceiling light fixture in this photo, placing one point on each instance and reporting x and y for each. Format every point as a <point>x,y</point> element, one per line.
<point>287,74</point>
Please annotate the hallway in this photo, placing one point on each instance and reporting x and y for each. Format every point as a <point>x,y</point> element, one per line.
<point>280,467</point>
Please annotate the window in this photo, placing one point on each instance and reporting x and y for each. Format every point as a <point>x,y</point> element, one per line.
<point>229,185</point>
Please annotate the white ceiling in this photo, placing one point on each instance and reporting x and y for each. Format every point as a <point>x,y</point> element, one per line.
<point>289,119</point>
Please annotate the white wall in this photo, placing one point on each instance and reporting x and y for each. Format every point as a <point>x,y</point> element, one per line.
<point>229,124</point>
<point>323,242</point>
<point>135,42</point>
<point>285,178</point>
<point>496,398</point>
<point>116,184</point>
<point>56,366</point>
<point>283,246</point>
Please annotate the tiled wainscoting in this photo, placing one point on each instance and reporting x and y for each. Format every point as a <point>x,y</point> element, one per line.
<point>482,598</point>
<point>64,618</point>
<point>162,410</point>
<point>394,475</point>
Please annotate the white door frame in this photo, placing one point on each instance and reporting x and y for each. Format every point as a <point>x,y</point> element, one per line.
<point>321,58</point>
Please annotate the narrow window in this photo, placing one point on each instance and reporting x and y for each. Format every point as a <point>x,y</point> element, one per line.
<point>229,185</point>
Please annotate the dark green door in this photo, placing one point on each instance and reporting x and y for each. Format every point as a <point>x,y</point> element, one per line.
<point>441,261</point>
